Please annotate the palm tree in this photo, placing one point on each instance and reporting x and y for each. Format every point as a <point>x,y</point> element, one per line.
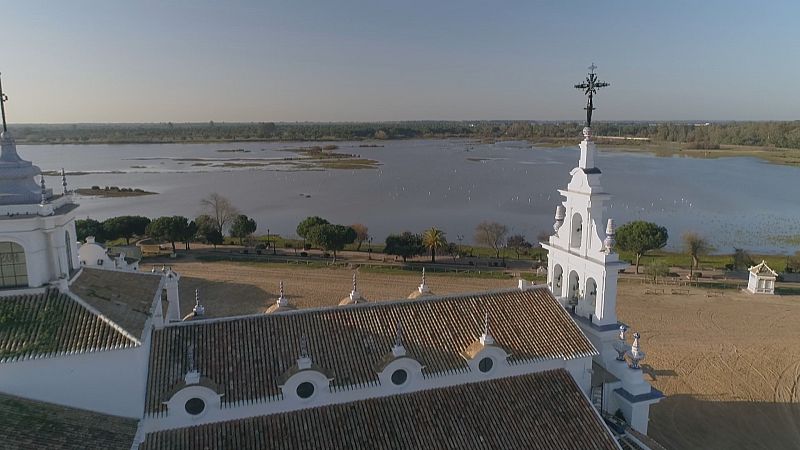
<point>434,239</point>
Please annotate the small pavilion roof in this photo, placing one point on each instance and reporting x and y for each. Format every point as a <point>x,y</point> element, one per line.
<point>763,269</point>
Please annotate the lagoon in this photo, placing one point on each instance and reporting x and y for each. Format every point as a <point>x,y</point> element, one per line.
<point>453,184</point>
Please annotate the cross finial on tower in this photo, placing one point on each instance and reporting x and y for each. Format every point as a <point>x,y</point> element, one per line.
<point>589,88</point>
<point>3,100</point>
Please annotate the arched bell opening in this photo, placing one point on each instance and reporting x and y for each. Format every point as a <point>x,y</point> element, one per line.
<point>577,231</point>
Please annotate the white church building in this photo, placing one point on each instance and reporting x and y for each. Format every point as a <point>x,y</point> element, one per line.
<point>95,358</point>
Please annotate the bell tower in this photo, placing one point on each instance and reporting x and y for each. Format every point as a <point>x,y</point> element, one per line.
<point>582,266</point>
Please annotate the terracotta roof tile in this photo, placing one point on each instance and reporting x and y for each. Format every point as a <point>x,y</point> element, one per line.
<point>51,323</point>
<point>28,424</point>
<point>247,356</point>
<point>123,297</point>
<point>544,410</point>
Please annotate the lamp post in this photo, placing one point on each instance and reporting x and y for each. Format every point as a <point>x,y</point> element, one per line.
<point>268,236</point>
<point>369,251</point>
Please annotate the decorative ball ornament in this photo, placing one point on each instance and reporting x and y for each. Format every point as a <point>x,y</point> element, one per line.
<point>620,345</point>
<point>636,354</point>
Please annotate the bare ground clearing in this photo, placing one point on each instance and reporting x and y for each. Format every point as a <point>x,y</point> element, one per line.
<point>729,365</point>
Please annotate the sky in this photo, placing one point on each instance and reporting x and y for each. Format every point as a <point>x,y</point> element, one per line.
<point>373,60</point>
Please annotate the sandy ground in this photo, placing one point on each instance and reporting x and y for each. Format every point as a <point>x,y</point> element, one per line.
<point>729,365</point>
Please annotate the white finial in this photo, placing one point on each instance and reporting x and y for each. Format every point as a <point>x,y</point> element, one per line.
<point>486,337</point>
<point>198,309</point>
<point>282,301</point>
<point>64,181</point>
<point>636,354</point>
<point>399,348</point>
<point>423,288</point>
<point>355,296</point>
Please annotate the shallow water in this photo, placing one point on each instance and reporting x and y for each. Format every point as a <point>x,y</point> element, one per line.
<point>452,184</point>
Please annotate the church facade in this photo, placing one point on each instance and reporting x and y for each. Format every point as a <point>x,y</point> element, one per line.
<point>114,354</point>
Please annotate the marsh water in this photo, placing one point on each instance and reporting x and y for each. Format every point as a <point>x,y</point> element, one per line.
<point>452,184</point>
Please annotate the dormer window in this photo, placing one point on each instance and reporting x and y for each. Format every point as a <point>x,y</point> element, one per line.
<point>195,406</point>
<point>486,364</point>
<point>399,377</point>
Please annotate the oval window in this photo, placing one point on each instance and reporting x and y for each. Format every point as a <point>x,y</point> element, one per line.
<point>399,377</point>
<point>485,364</point>
<point>305,390</point>
<point>195,406</point>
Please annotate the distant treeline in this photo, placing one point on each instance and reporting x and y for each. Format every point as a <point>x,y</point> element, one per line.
<point>712,135</point>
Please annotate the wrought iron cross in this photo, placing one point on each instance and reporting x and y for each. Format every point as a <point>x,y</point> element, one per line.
<point>3,100</point>
<point>589,88</point>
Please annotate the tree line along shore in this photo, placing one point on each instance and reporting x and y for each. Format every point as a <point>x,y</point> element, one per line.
<point>221,223</point>
<point>693,135</point>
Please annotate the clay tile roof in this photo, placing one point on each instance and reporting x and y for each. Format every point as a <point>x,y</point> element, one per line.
<point>123,297</point>
<point>248,355</point>
<point>29,424</point>
<point>51,323</point>
<point>543,410</point>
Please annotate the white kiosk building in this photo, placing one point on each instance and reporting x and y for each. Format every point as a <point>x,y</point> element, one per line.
<point>762,279</point>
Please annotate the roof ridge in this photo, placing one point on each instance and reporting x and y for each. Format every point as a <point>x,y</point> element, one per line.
<point>77,299</point>
<point>364,305</point>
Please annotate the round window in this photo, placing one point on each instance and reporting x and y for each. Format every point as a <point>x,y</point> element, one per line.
<point>195,406</point>
<point>485,364</point>
<point>305,390</point>
<point>399,377</point>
